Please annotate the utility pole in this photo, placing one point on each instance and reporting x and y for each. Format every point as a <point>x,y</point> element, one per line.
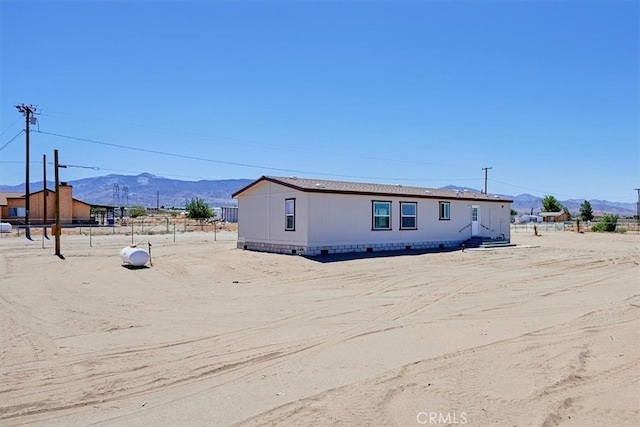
<point>638,205</point>
<point>485,178</point>
<point>28,111</point>
<point>57,210</point>
<point>44,196</point>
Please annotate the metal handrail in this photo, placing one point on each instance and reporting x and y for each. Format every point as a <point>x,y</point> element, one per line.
<point>466,226</point>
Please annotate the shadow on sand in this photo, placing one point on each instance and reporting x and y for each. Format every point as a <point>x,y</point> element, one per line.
<point>135,267</point>
<point>380,254</point>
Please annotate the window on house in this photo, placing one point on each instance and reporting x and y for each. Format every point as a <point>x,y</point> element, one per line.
<point>290,214</point>
<point>445,210</point>
<point>408,212</point>
<point>381,215</point>
<point>17,212</point>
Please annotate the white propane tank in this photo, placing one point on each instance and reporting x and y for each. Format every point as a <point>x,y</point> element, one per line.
<point>135,256</point>
<point>5,227</point>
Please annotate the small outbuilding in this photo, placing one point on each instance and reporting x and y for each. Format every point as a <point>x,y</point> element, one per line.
<point>311,217</point>
<point>554,216</point>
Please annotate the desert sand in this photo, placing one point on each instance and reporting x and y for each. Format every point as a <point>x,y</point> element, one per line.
<point>543,334</point>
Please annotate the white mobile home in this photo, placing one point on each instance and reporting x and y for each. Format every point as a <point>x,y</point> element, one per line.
<point>312,217</point>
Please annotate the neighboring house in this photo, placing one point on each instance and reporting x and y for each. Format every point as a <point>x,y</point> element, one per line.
<point>311,217</point>
<point>42,207</point>
<point>5,197</point>
<point>554,216</point>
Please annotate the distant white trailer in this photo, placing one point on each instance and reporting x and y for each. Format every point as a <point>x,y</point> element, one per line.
<point>230,213</point>
<point>5,227</point>
<point>525,219</point>
<point>226,213</point>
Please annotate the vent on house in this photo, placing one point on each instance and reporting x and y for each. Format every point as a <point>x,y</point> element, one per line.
<point>324,252</point>
<point>369,249</point>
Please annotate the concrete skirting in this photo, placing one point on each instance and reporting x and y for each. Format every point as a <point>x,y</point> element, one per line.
<point>344,249</point>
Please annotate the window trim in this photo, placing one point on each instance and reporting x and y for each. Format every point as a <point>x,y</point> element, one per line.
<point>444,216</point>
<point>414,216</point>
<point>287,215</point>
<point>373,215</point>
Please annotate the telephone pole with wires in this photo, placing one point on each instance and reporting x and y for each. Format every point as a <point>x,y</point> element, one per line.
<point>29,112</point>
<point>485,178</point>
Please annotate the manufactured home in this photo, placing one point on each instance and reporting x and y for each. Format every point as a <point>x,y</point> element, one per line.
<point>312,217</point>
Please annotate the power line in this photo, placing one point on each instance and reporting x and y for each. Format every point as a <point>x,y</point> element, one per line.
<point>10,126</point>
<point>17,135</point>
<point>247,165</point>
<point>219,138</point>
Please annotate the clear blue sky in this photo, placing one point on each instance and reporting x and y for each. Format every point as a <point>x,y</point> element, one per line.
<point>423,93</point>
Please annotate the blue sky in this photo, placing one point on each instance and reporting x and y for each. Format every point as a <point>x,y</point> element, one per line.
<point>423,93</point>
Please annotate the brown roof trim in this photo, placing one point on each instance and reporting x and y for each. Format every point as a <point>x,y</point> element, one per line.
<point>344,187</point>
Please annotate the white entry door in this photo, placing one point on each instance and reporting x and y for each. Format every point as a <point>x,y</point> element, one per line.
<point>475,220</point>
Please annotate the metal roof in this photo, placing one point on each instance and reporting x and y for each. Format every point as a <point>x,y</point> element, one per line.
<point>346,187</point>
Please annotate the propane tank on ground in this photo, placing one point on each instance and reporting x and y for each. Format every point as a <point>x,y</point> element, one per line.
<point>134,256</point>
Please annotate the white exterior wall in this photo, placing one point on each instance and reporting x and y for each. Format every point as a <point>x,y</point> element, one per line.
<point>342,218</point>
<point>261,216</point>
<point>332,222</point>
<point>337,219</point>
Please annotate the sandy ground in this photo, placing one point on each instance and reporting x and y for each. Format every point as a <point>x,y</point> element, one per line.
<point>539,335</point>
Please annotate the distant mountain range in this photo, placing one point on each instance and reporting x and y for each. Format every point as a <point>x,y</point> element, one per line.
<point>526,203</point>
<point>154,191</point>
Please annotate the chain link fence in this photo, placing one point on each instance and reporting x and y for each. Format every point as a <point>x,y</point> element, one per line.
<point>137,228</point>
<point>624,225</point>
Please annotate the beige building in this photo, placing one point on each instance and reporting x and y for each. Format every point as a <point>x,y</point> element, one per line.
<point>313,217</point>
<point>42,206</point>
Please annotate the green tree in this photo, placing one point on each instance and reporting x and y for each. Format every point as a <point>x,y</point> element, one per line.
<point>198,209</point>
<point>551,204</point>
<point>608,222</point>
<point>514,212</point>
<point>586,213</point>
<point>136,211</point>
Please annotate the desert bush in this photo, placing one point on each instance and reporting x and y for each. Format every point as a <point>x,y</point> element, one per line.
<point>198,209</point>
<point>136,211</point>
<point>607,223</point>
